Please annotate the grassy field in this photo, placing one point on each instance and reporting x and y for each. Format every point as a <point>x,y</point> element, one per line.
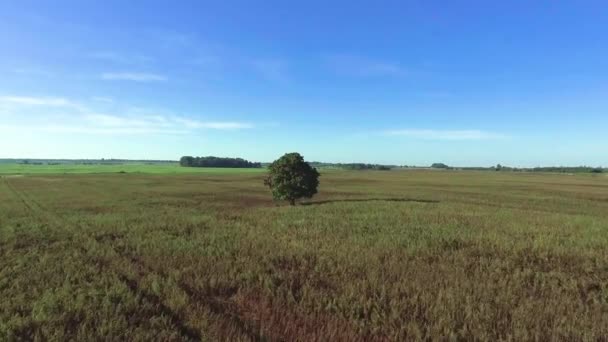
<point>398,255</point>
<point>154,168</point>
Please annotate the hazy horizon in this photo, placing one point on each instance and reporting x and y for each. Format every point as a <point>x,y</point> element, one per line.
<point>467,83</point>
<point>312,161</point>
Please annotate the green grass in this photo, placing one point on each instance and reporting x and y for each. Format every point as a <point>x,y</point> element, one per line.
<point>23,169</point>
<point>397,255</point>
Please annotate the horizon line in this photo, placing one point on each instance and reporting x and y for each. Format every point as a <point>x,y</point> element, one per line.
<point>313,161</point>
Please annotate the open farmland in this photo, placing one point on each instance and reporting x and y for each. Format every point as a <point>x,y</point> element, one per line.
<point>376,256</point>
<point>156,168</point>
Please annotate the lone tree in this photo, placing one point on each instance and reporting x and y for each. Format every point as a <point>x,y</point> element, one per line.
<point>292,178</point>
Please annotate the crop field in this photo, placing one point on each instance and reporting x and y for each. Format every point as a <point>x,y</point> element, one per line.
<point>397,255</point>
<point>155,168</point>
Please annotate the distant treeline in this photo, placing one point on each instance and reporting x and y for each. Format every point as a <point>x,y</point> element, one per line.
<point>101,161</point>
<point>211,161</point>
<point>241,163</point>
<point>352,166</point>
<point>499,167</point>
<point>560,169</point>
<point>569,169</point>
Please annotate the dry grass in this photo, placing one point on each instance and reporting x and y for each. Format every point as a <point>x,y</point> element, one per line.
<point>379,256</point>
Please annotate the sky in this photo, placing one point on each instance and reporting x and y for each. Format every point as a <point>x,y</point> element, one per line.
<point>466,83</point>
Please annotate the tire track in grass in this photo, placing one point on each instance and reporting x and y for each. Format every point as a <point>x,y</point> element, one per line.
<point>133,285</point>
<point>184,330</point>
<point>17,194</point>
<point>216,306</point>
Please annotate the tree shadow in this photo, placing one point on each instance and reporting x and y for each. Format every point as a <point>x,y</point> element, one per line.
<point>370,200</point>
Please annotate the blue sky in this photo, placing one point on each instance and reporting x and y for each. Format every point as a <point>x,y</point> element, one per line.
<point>521,83</point>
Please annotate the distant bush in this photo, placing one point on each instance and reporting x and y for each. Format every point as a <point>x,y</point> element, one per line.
<point>211,161</point>
<point>439,166</point>
<point>597,170</point>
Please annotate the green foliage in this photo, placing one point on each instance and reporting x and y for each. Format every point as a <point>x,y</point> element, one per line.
<point>291,178</point>
<point>211,161</point>
<point>439,166</point>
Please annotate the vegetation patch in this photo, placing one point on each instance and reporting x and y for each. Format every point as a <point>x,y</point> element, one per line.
<point>395,255</point>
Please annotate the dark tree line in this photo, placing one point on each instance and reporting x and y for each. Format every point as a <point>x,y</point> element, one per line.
<point>569,169</point>
<point>210,161</point>
<point>352,166</point>
<point>362,166</point>
<point>499,167</point>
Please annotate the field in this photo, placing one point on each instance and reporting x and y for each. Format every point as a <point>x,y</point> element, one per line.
<point>155,168</point>
<point>397,255</point>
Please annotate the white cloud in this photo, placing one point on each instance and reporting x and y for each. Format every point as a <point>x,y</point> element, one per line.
<point>87,129</point>
<point>132,76</point>
<point>431,134</point>
<point>213,125</point>
<point>102,99</point>
<point>142,123</point>
<point>225,125</point>
<point>36,101</point>
<point>115,57</point>
<point>106,120</point>
<point>71,117</point>
<point>364,67</point>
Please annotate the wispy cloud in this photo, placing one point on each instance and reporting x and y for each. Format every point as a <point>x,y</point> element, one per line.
<point>87,129</point>
<point>73,117</point>
<point>33,71</point>
<point>157,122</point>
<point>132,76</point>
<point>36,101</point>
<point>431,134</point>
<point>121,58</point>
<point>103,99</point>
<point>365,67</point>
<point>213,125</point>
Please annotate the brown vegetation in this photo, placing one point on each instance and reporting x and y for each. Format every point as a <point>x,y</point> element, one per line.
<point>398,255</point>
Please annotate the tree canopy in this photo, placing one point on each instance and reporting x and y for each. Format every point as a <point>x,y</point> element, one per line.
<point>291,178</point>
<point>211,161</point>
<point>439,166</point>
